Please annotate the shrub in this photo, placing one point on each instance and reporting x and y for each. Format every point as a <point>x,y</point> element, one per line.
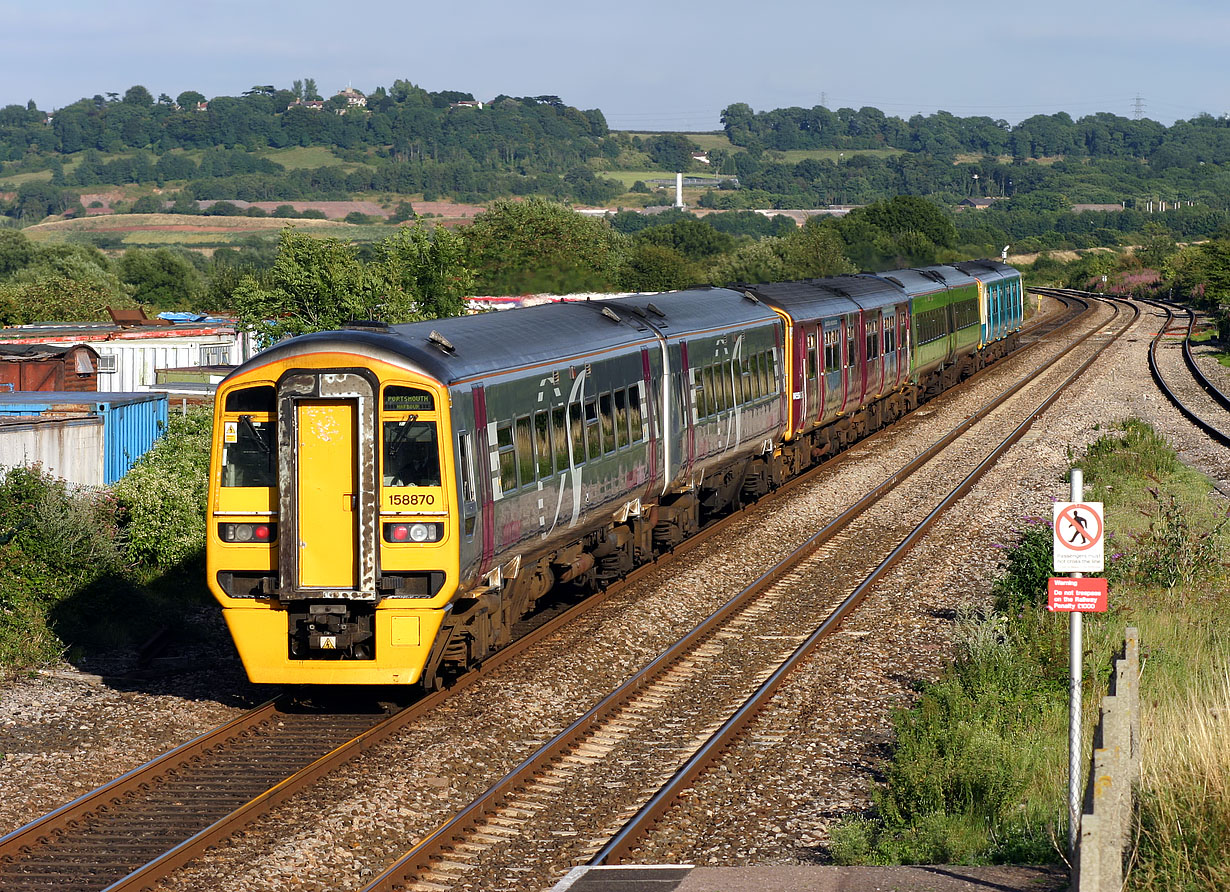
<point>163,496</point>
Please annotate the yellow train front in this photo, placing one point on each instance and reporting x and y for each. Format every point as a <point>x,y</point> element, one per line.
<point>330,539</point>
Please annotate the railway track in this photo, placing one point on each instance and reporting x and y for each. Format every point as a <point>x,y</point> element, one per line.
<point>1179,377</point>
<point>594,790</point>
<point>158,817</point>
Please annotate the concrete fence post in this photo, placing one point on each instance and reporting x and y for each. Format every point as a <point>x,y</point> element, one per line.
<point>1106,825</point>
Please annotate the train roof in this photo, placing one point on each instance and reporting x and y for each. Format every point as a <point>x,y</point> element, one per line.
<point>695,310</point>
<point>916,281</point>
<point>988,270</point>
<point>813,298</point>
<point>953,276</point>
<point>459,348</point>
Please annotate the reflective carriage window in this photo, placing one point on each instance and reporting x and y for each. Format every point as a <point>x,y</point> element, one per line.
<point>411,457</point>
<point>508,456</point>
<point>606,410</point>
<point>621,417</point>
<point>591,427</point>
<point>636,421</point>
<point>542,443</point>
<point>408,399</point>
<point>252,399</point>
<point>248,454</point>
<point>524,441</point>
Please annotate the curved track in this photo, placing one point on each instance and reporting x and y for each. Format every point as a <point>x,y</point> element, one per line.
<point>641,746</point>
<point>1193,394</point>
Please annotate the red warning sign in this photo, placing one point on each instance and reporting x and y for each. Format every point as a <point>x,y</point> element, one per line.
<point>1083,595</point>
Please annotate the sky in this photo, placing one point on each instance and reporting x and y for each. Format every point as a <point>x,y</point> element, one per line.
<point>647,65</point>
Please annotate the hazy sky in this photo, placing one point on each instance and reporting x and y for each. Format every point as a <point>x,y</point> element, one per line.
<point>647,65</point>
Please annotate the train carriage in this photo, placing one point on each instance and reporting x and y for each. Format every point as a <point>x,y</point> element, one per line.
<point>387,501</point>
<point>1001,301</point>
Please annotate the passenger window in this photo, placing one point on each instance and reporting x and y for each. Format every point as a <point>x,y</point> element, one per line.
<point>508,456</point>
<point>467,467</point>
<point>606,406</point>
<point>711,394</point>
<point>411,457</point>
<point>524,443</point>
<point>591,428</point>
<point>577,429</point>
<point>728,384</point>
<point>248,454</point>
<point>635,421</point>
<point>542,443</point>
<point>811,363</point>
<point>559,437</point>
<point>851,348</point>
<point>766,372</point>
<point>621,417</point>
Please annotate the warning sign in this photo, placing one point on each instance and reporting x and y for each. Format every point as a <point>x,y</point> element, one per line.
<point>1084,595</point>
<point>1078,545</point>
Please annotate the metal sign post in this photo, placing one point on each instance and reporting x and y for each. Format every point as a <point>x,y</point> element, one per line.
<point>1078,548</point>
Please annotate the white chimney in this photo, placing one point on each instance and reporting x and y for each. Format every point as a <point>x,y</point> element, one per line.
<point>678,190</point>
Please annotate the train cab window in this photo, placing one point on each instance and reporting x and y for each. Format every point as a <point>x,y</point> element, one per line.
<point>621,417</point>
<point>636,421</point>
<point>524,443</point>
<point>252,399</point>
<point>411,455</point>
<point>508,456</point>
<point>542,443</point>
<point>606,408</point>
<point>592,429</point>
<point>249,456</point>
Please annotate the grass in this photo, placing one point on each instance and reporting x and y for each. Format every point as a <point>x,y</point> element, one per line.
<point>307,158</point>
<point>979,769</point>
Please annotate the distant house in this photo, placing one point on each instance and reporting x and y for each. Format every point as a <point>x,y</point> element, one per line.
<point>466,103</point>
<point>701,157</point>
<point>978,203</point>
<point>202,106</point>
<point>354,99</point>
<point>313,104</point>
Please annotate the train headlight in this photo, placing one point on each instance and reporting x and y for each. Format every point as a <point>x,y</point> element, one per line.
<point>261,533</point>
<point>413,532</point>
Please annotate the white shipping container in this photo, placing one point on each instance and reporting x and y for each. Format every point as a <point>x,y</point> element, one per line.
<point>71,448</point>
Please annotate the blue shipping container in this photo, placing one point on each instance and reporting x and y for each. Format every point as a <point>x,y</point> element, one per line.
<point>132,422</point>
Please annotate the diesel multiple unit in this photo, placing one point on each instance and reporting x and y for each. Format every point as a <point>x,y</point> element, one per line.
<point>386,502</point>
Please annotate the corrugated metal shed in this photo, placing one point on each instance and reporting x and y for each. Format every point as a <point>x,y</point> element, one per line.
<point>48,367</point>
<point>131,422</point>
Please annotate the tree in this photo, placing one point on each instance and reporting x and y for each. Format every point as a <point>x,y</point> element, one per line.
<point>520,247</point>
<point>430,267</point>
<point>309,88</point>
<point>654,267</point>
<point>138,95</point>
<point>15,251</point>
<point>57,298</point>
<point>320,284</point>
<point>160,277</point>
<point>189,99</point>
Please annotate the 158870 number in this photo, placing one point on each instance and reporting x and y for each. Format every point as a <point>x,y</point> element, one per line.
<point>414,499</point>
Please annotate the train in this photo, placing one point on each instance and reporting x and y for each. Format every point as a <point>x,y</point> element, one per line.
<point>387,501</point>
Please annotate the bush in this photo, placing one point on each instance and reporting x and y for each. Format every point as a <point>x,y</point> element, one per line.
<point>55,543</point>
<point>163,496</point>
